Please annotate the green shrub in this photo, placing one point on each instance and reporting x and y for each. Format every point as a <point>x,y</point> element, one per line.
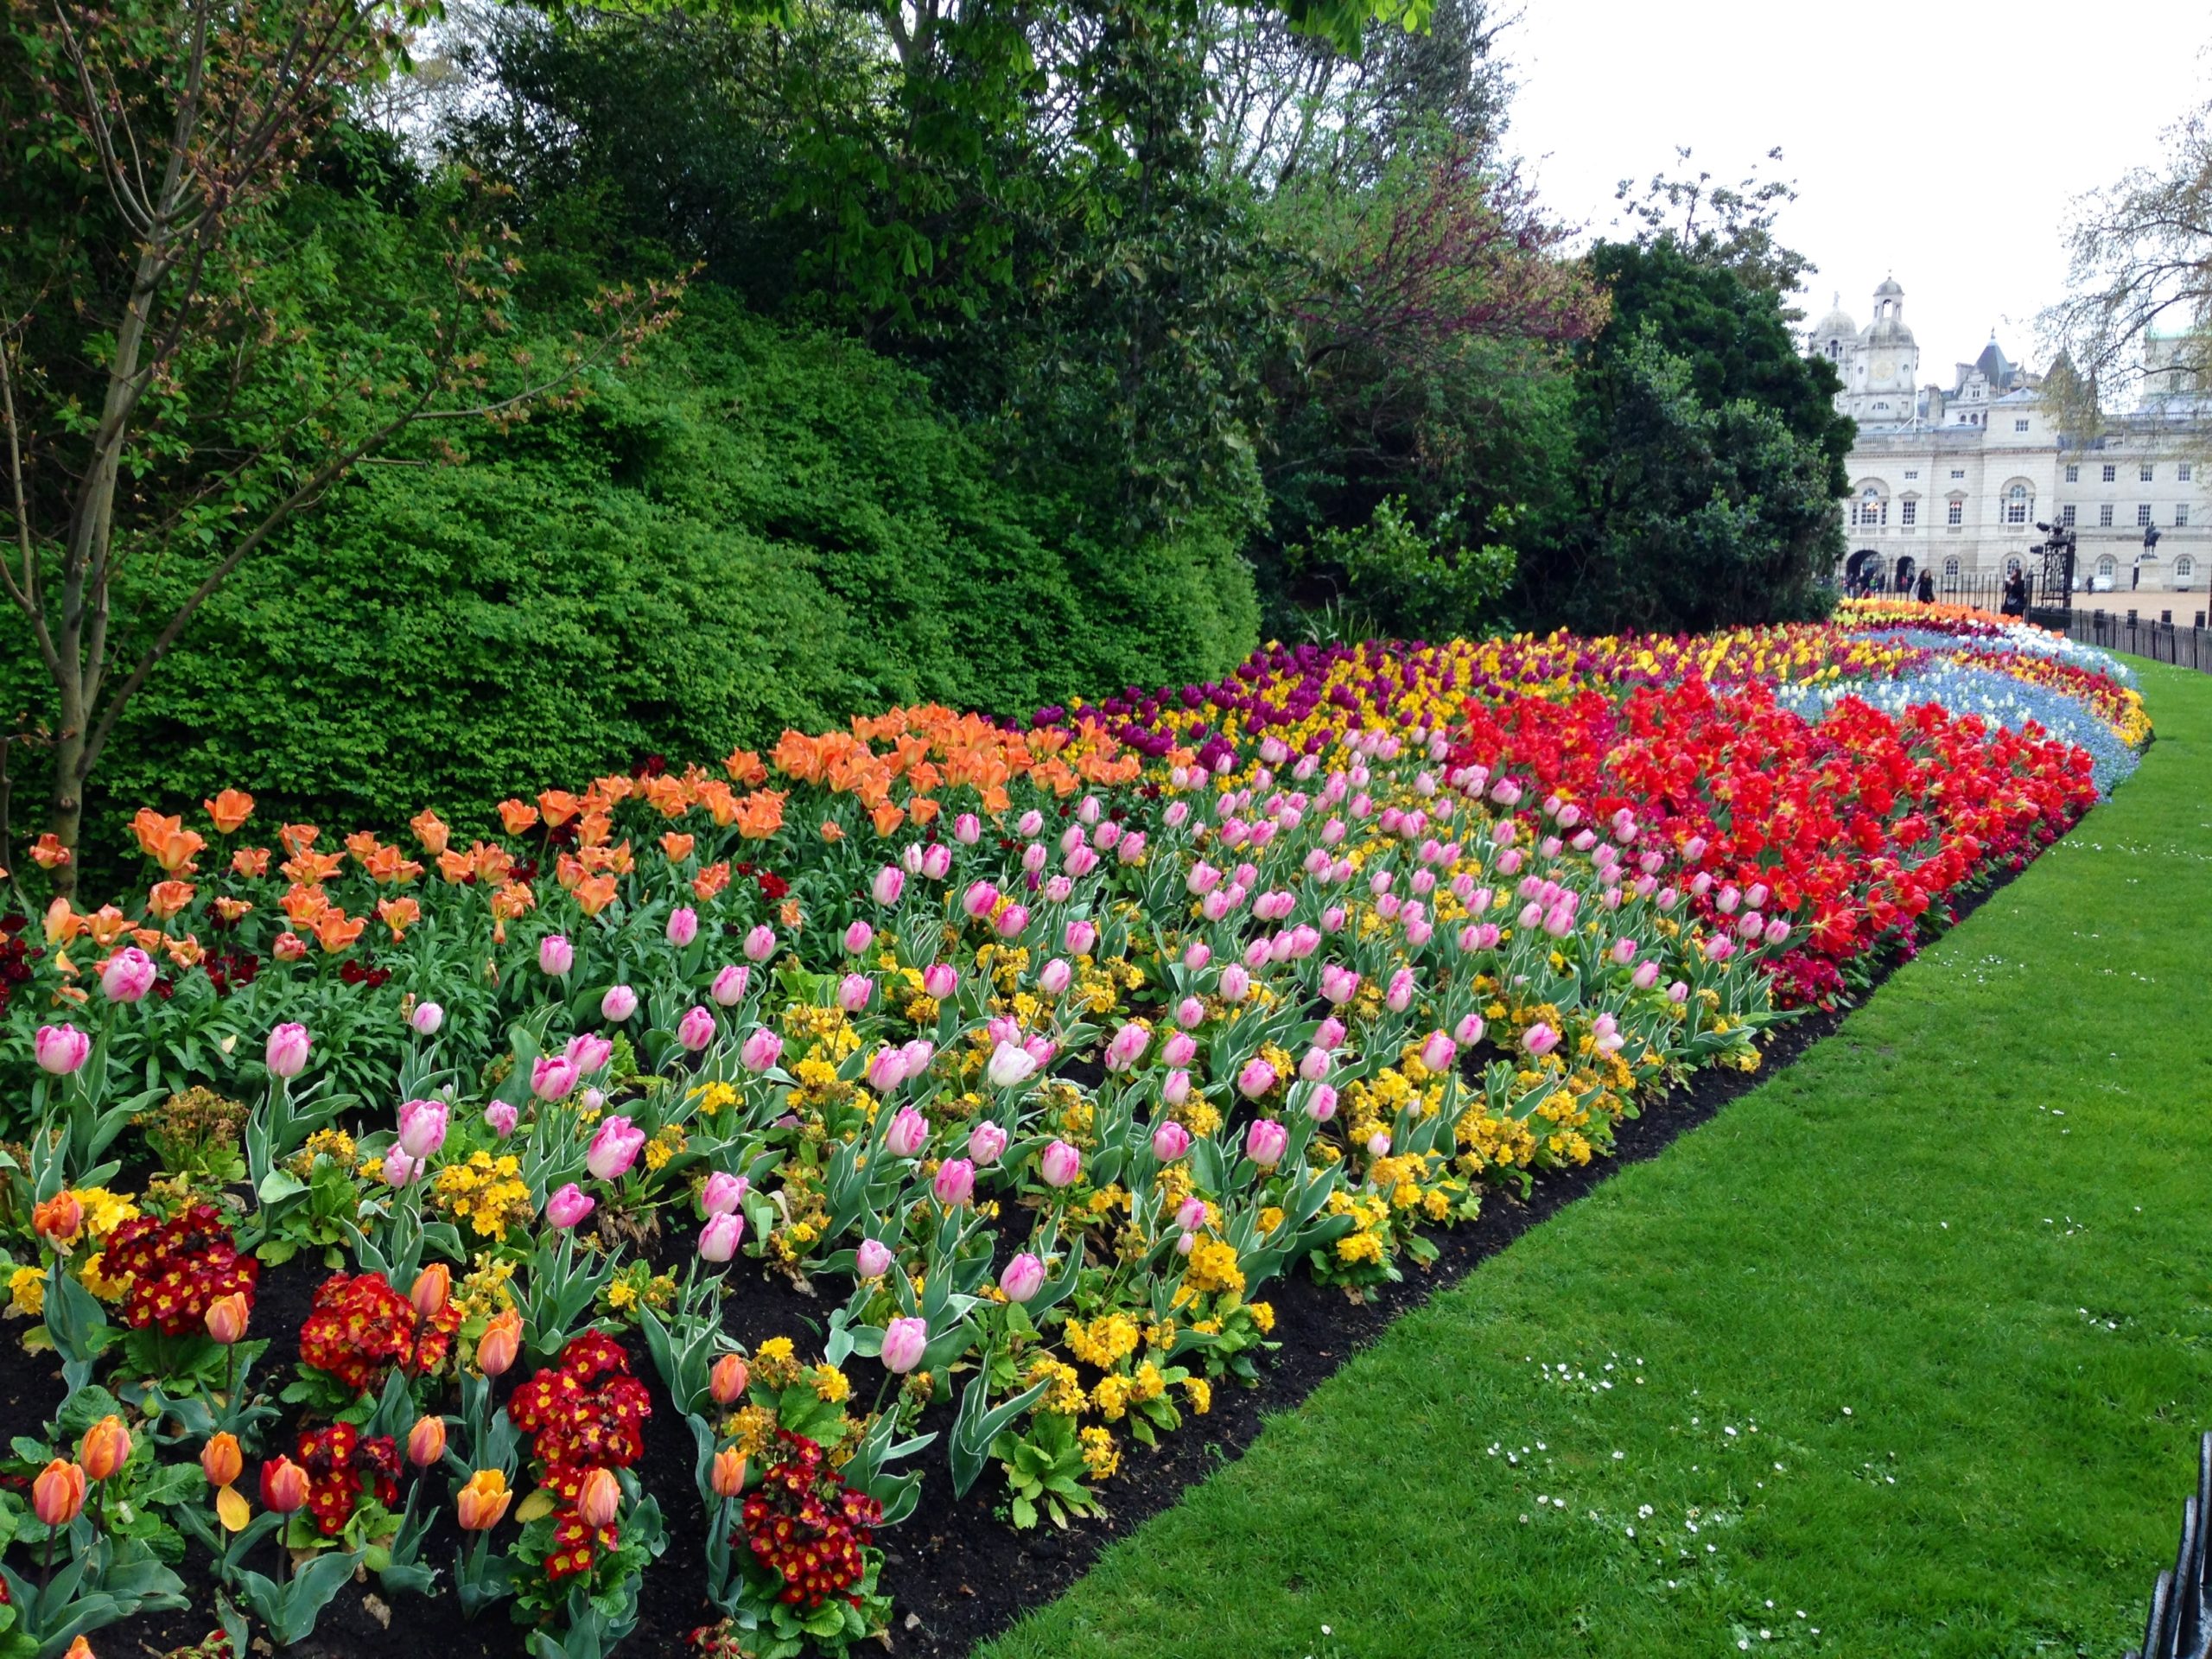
<point>752,528</point>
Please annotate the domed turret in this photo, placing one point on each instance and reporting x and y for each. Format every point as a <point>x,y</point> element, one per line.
<point>1832,335</point>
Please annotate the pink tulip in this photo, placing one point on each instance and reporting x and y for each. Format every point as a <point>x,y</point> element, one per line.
<point>1329,1035</point>
<point>1029,823</point>
<point>1236,982</point>
<point>1264,1142</point>
<point>128,975</point>
<point>1080,937</point>
<point>1012,920</point>
<point>940,980</point>
<point>1176,1087</point>
<point>589,1052</point>
<point>1180,1048</point>
<point>1645,976</point>
<point>501,1118</point>
<point>614,1148</point>
<point>568,1206</point>
<point>967,829</point>
<point>722,1194</point>
<point>1313,1064</point>
<point>426,1018</point>
<point>1127,1047</point>
<point>1399,996</point>
<point>1540,1040</point>
<point>556,955</point>
<point>1197,955</point>
<point>287,1053</point>
<point>553,1077</point>
<point>399,1170</point>
<point>980,899</point>
<point>1055,976</point>
<point>853,992</point>
<point>1256,1077</point>
<point>761,943</point>
<point>937,860</point>
<point>762,1048</point>
<point>858,937</point>
<point>1468,1031</point>
<point>1010,1065</point>
<point>1191,1214</point>
<point>886,1070</point>
<point>890,882</point>
<point>909,1131</point>
<point>62,1049</point>
<point>1321,1102</point>
<point>1170,1140</point>
<point>422,1126</point>
<point>1023,1278</point>
<point>1378,1144</point>
<point>1438,1052</point>
<point>695,1029</point>
<point>1059,1164</point>
<point>682,925</point>
<point>619,1004</point>
<point>720,1237</point>
<point>873,1259</point>
<point>954,1184</point>
<point>918,1054</point>
<point>904,1342</point>
<point>728,988</point>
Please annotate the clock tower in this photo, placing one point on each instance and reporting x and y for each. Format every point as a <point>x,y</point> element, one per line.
<point>1881,369</point>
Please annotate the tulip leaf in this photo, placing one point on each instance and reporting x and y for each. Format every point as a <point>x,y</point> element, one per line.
<point>539,1502</point>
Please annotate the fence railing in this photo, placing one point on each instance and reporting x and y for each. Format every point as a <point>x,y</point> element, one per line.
<point>2160,638</point>
<point>2176,1628</point>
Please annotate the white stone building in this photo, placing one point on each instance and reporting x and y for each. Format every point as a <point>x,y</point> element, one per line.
<point>1953,481</point>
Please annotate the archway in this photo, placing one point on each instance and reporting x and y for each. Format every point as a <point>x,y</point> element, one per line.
<point>1905,572</point>
<point>1862,571</point>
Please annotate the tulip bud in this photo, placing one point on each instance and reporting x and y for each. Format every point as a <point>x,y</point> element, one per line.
<point>599,1498</point>
<point>727,1474</point>
<point>501,1341</point>
<point>58,1494</point>
<point>940,980</point>
<point>568,1206</point>
<point>904,1342</point>
<point>287,1050</point>
<point>720,1237</point>
<point>501,1118</point>
<point>873,1259</point>
<point>986,1142</point>
<point>1059,1164</point>
<point>730,985</point>
<point>761,1050</point>
<point>426,1018</point>
<point>283,1486</point>
<point>60,1218</point>
<point>682,925</point>
<point>105,1447</point>
<point>426,1441</point>
<point>761,943</point>
<point>432,1286</point>
<point>954,1182</point>
<point>1170,1140</point>
<point>728,1378</point>
<point>619,1004</point>
<point>909,1132</point>
<point>227,1317</point>
<point>695,1029</point>
<point>1023,1278</point>
<point>1264,1142</point>
<point>220,1461</point>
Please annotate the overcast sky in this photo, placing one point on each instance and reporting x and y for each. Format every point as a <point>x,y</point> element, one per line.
<point>1941,141</point>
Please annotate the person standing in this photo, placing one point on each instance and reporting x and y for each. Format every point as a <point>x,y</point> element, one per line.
<point>1927,588</point>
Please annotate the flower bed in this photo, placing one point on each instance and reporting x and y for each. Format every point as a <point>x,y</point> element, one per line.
<point>682,1175</point>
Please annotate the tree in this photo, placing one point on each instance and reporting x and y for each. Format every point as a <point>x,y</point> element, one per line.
<point>1708,460</point>
<point>188,362</point>
<point>1726,227</point>
<point>2138,312</point>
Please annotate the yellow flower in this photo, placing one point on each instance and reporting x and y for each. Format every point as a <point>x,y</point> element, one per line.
<point>830,1384</point>
<point>1263,1316</point>
<point>27,1292</point>
<point>1099,1456</point>
<point>1199,1392</point>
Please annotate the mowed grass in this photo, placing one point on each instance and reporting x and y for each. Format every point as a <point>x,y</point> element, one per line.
<point>1904,1354</point>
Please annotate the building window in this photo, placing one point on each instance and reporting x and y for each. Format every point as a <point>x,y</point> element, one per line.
<point>2181,515</point>
<point>2066,517</point>
<point>1909,512</point>
<point>2143,516</point>
<point>2104,516</point>
<point>2016,505</point>
<point>2019,426</point>
<point>1951,569</point>
<point>2144,472</point>
<point>2073,473</point>
<point>2111,472</point>
<point>1958,472</point>
<point>2184,472</point>
<point>2184,567</point>
<point>2105,566</point>
<point>1912,475</point>
<point>1957,514</point>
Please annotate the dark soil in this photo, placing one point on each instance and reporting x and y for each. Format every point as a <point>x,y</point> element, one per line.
<point>956,1572</point>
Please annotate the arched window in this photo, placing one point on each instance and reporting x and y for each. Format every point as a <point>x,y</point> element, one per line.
<point>2016,505</point>
<point>2108,567</point>
<point>2011,567</point>
<point>2184,567</point>
<point>1951,569</point>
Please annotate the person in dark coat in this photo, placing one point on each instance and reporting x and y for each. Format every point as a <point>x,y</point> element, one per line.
<point>1928,588</point>
<point>2016,595</point>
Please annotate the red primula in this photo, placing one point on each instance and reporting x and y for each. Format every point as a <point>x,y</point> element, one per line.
<point>339,1463</point>
<point>178,1268</point>
<point>803,1524</point>
<point>360,1327</point>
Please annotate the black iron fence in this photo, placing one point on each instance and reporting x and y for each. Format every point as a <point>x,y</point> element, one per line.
<point>2176,1628</point>
<point>2187,643</point>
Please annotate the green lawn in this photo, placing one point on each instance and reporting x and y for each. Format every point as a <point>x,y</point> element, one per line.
<point>1906,1353</point>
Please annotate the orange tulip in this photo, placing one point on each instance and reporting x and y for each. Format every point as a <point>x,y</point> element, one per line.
<point>186,952</point>
<point>517,816</point>
<point>80,1649</point>
<point>169,897</point>
<point>431,830</point>
<point>106,926</point>
<point>677,846</point>
<point>230,811</point>
<point>297,837</point>
<point>58,1494</point>
<point>48,854</point>
<point>744,768</point>
<point>59,1219</point>
<point>432,1286</point>
<point>501,1341</point>
<point>761,814</point>
<point>729,1473</point>
<point>599,1499</point>
<point>483,1502</point>
<point>250,862</point>
<point>595,893</point>
<point>729,1378</point>
<point>399,914</point>
<point>105,1447</point>
<point>426,1441</point>
<point>62,924</point>
<point>227,1316</point>
<point>221,1461</point>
